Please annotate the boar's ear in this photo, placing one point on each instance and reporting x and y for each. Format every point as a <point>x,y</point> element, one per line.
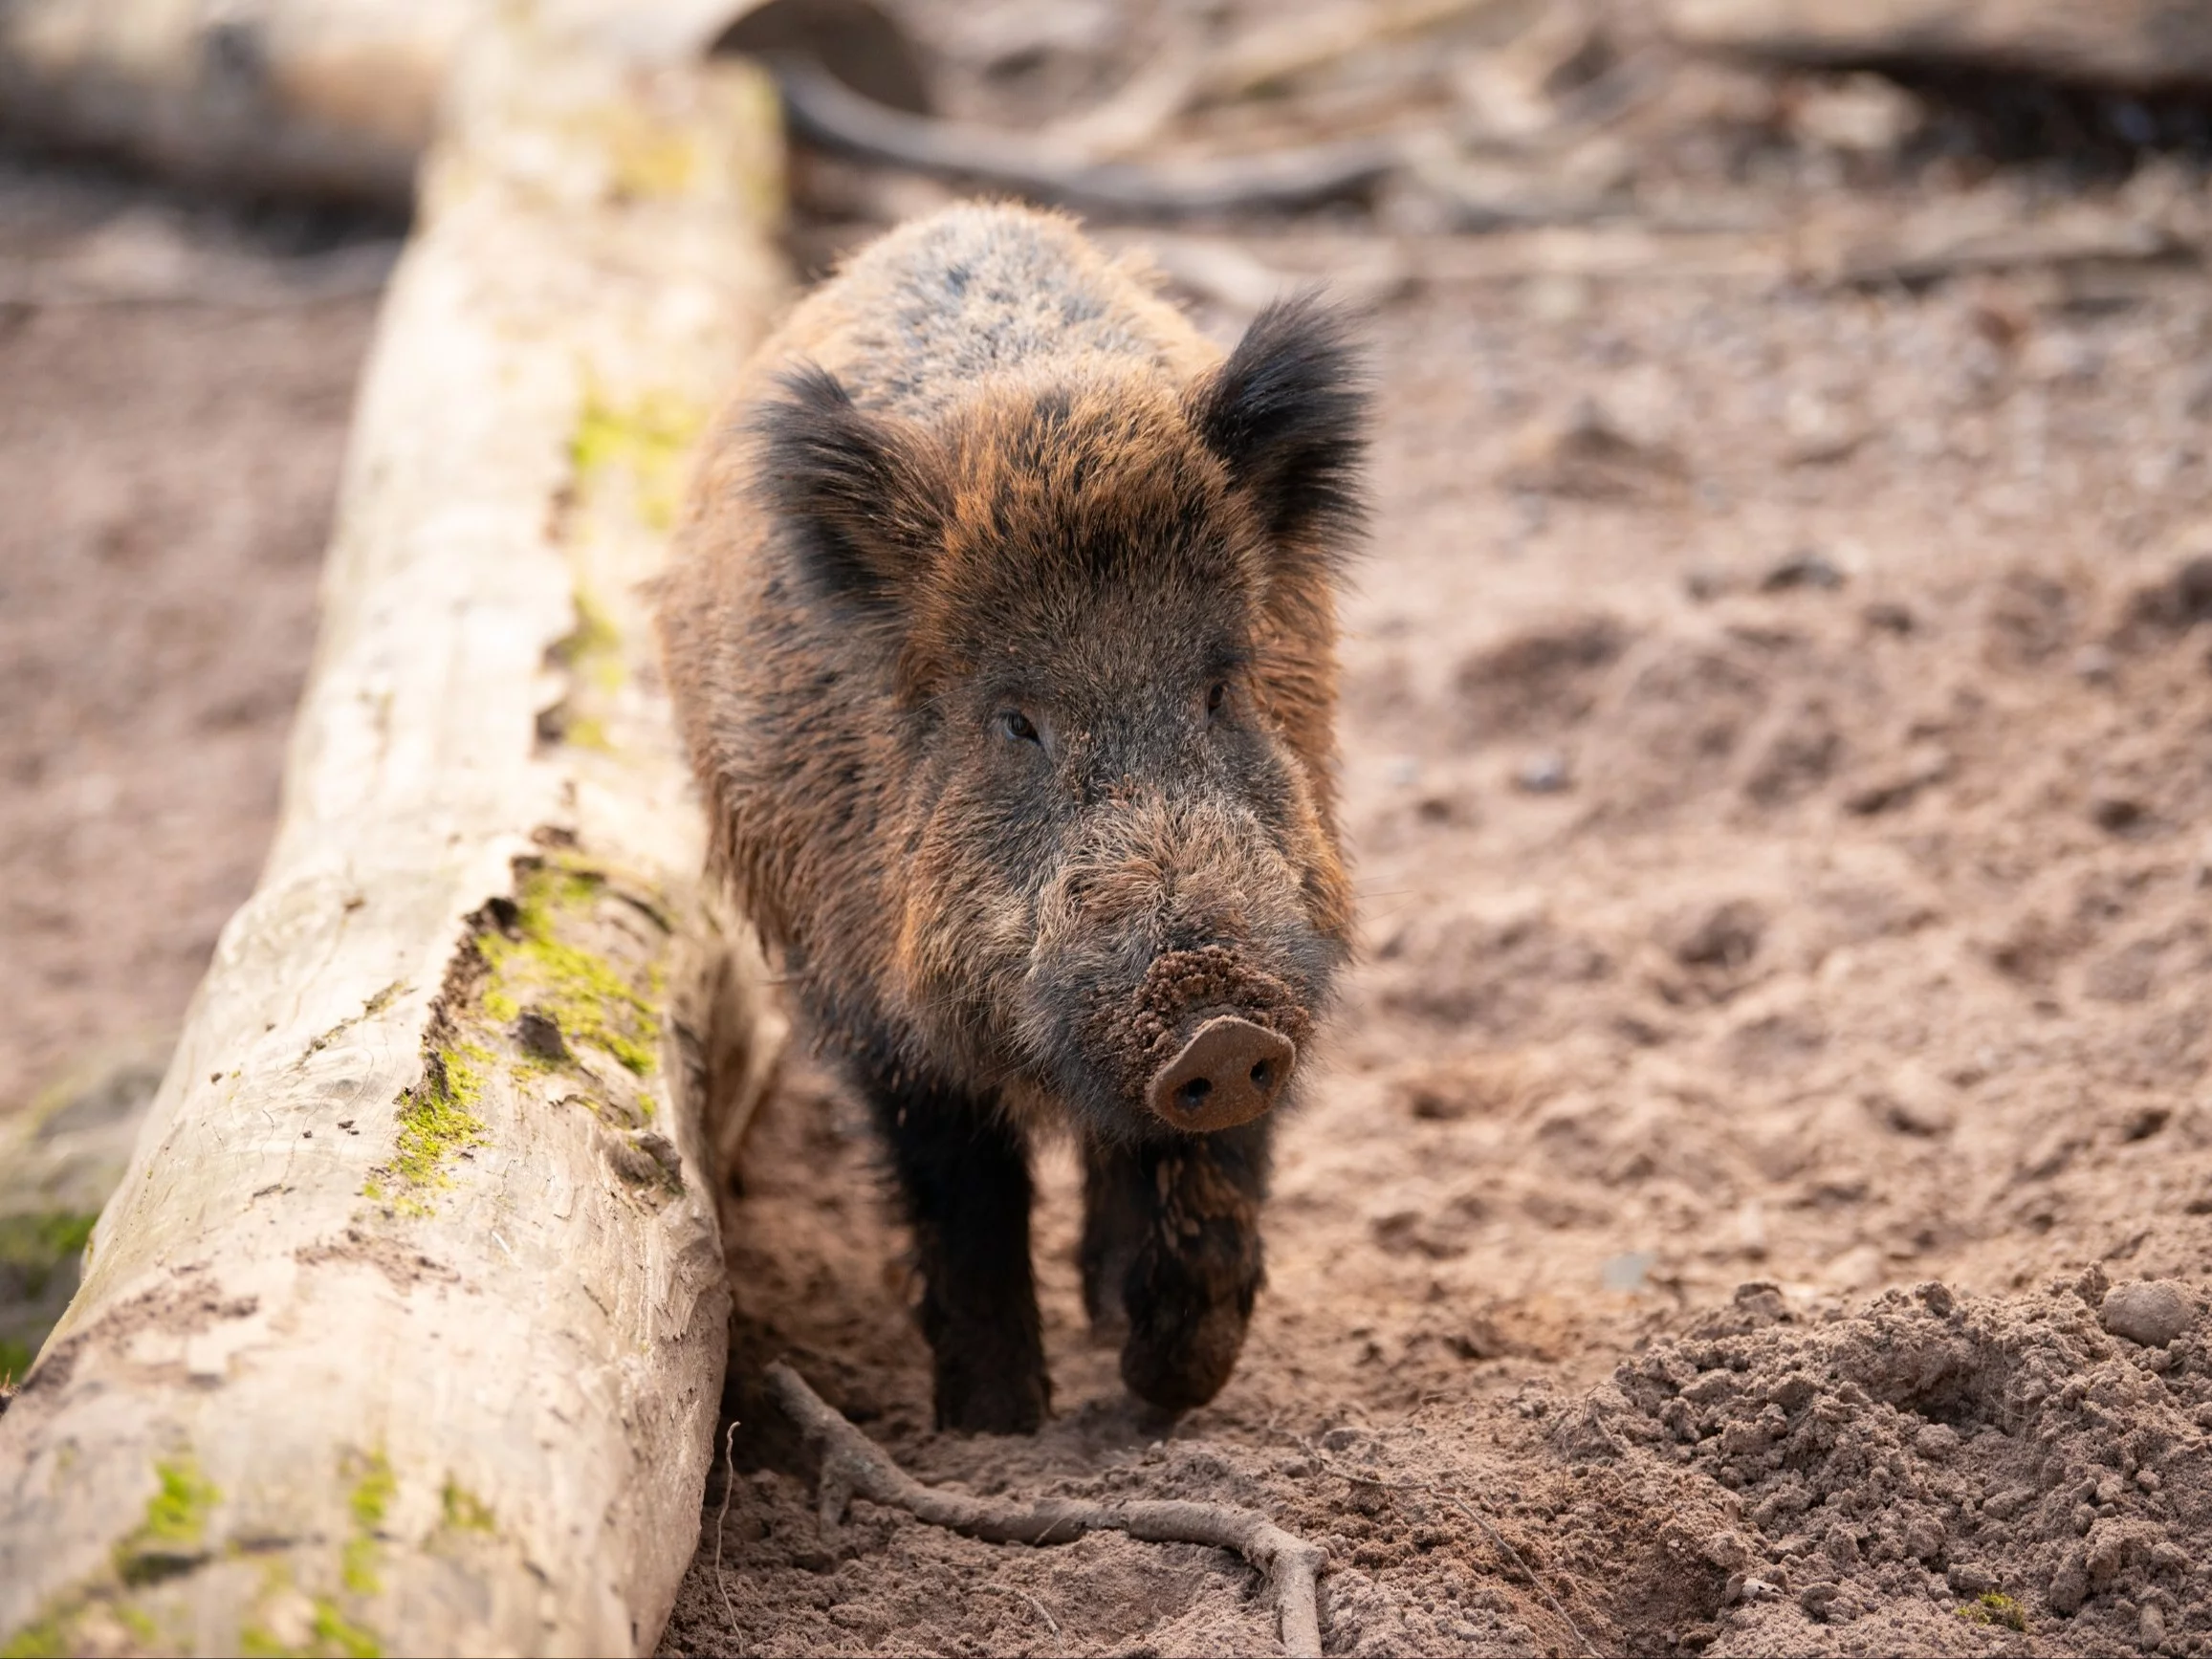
<point>853,489</point>
<point>1287,416</point>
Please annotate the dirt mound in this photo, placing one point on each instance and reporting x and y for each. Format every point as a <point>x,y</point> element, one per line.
<point>1937,1470</point>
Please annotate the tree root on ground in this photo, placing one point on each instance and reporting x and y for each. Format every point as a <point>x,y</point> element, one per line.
<point>853,1465</point>
<point>824,111</point>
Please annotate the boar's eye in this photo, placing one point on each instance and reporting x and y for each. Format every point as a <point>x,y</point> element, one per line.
<point>1216,694</point>
<point>1015,724</point>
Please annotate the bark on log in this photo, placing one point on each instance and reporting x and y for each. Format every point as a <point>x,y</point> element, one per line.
<point>404,1331</point>
<point>337,99</point>
<point>2132,45</point>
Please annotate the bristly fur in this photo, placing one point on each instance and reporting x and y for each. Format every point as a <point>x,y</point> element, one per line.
<point>1288,414</point>
<point>836,478</point>
<point>1003,632</point>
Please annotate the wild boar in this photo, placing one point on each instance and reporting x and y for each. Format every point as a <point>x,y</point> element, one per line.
<point>1003,633</point>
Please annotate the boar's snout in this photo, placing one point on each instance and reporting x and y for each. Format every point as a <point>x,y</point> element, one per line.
<point>1229,1073</point>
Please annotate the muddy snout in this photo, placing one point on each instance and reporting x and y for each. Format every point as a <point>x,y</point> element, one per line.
<point>1229,1073</point>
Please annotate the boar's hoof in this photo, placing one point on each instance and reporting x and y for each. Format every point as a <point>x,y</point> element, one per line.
<point>1229,1073</point>
<point>1014,1404</point>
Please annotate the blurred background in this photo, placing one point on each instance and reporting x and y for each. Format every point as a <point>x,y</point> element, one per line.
<point>1730,355</point>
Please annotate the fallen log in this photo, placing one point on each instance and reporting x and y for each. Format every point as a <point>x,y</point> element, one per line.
<point>337,99</point>
<point>2127,45</point>
<point>406,1327</point>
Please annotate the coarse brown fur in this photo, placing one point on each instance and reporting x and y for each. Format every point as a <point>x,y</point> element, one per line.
<point>1003,632</point>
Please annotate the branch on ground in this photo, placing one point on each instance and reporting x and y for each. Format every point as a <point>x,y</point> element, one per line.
<point>824,111</point>
<point>853,1465</point>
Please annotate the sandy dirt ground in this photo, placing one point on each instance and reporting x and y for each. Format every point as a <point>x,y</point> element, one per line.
<point>170,447</point>
<point>1778,737</point>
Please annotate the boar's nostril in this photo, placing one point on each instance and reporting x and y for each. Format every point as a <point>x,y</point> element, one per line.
<point>1230,1072</point>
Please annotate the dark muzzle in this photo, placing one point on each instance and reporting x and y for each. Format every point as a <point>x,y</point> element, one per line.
<point>1229,1073</point>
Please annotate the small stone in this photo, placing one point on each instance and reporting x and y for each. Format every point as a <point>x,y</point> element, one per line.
<point>2095,664</point>
<point>1888,617</point>
<point>1914,1103</point>
<point>1969,1578</point>
<point>1544,774</point>
<point>1820,430</point>
<point>1859,115</point>
<point>2150,1311</point>
<point>1808,567</point>
<point>2151,1628</point>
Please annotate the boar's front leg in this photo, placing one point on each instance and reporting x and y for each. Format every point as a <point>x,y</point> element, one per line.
<point>1171,1243</point>
<point>964,1172</point>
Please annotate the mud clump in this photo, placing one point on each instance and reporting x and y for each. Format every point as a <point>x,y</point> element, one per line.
<point>2152,1312</point>
<point>1947,1469</point>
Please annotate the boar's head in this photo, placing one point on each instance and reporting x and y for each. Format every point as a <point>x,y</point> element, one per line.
<point>1100,604</point>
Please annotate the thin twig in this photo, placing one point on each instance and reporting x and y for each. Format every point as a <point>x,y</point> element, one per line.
<point>1042,1611</point>
<point>853,1465</point>
<point>729,1479</point>
<point>1472,1514</point>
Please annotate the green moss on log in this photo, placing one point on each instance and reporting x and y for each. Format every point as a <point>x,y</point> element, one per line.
<point>648,440</point>
<point>592,650</point>
<point>172,1536</point>
<point>535,964</point>
<point>371,1497</point>
<point>438,1121</point>
<point>465,1511</point>
<point>44,1640</point>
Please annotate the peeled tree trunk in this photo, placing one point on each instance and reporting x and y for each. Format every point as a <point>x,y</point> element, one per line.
<point>404,1331</point>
